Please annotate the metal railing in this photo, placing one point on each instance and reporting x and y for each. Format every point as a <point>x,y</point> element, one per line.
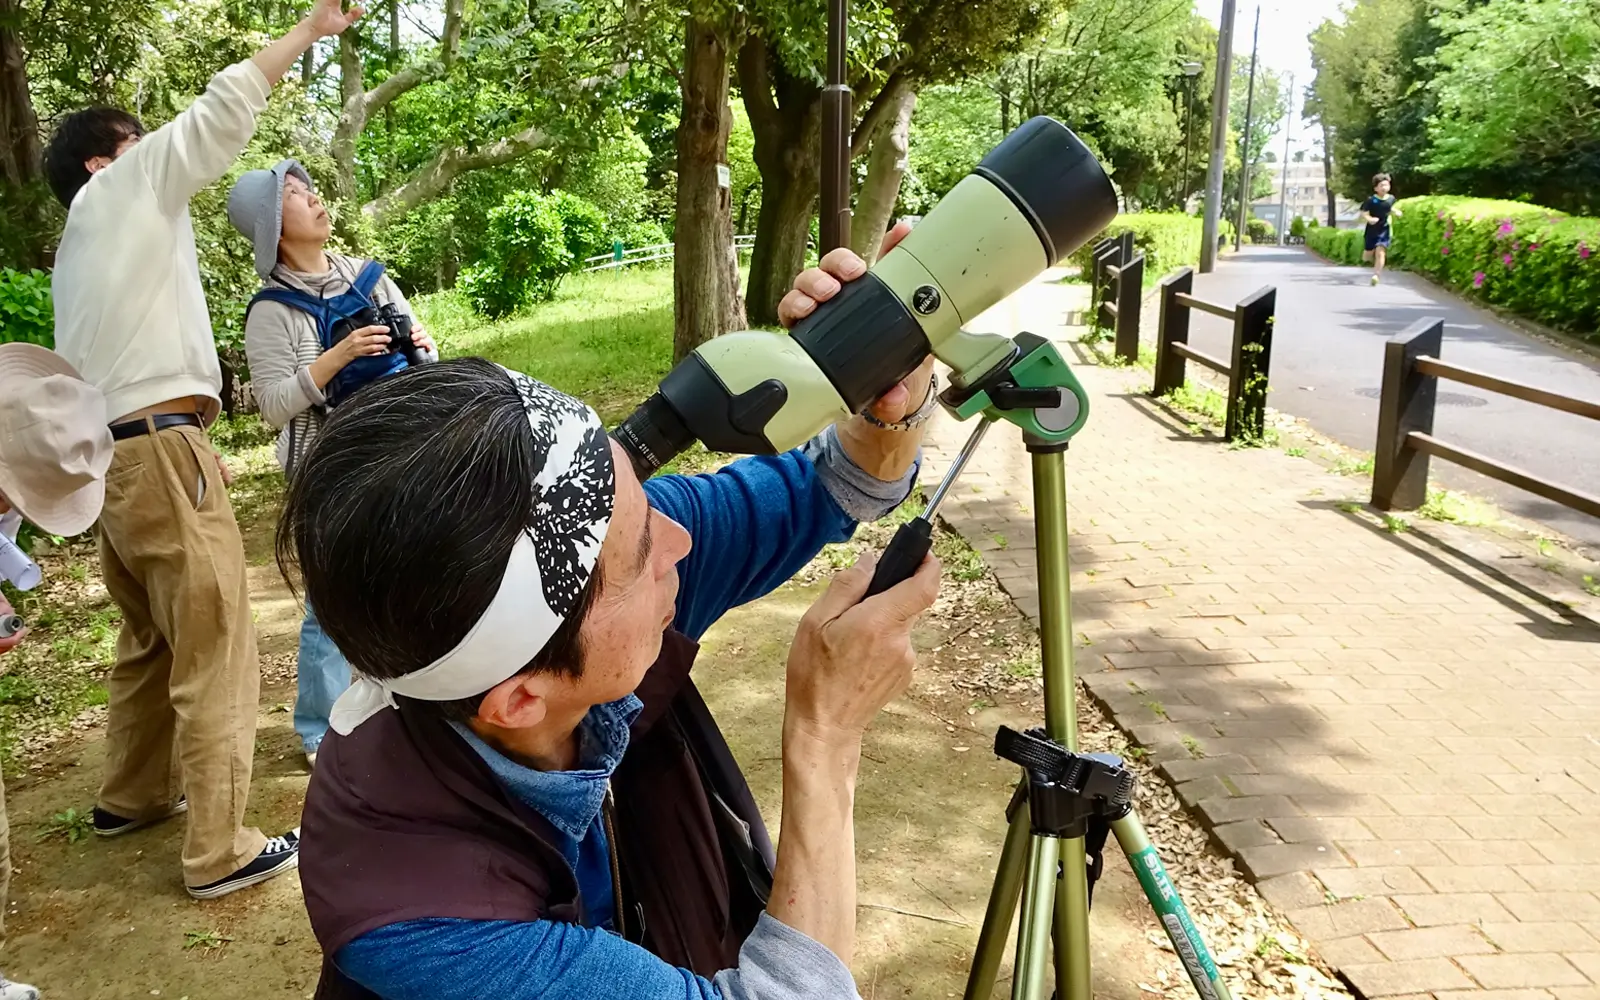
<point>626,257</point>
<point>1411,374</point>
<point>1253,319</point>
<point>1118,277</point>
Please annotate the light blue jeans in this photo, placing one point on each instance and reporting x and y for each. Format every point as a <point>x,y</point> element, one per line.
<point>323,675</point>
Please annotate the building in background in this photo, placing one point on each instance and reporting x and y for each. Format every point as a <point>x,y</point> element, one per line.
<point>1307,195</point>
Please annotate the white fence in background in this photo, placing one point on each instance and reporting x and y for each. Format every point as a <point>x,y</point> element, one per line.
<point>655,252</point>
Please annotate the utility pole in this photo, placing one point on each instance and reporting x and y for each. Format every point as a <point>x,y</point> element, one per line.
<point>1219,140</point>
<point>1283,187</point>
<point>1244,152</point>
<point>837,112</point>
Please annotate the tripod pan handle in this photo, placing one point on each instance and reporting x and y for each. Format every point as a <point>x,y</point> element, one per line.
<point>905,553</point>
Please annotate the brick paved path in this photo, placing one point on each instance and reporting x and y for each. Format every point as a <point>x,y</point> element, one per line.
<point>1399,743</point>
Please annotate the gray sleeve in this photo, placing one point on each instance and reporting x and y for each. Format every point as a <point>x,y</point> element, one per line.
<point>778,962</point>
<point>862,496</point>
<point>284,389</point>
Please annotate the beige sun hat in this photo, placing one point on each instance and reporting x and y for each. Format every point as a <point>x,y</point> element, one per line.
<point>55,445</point>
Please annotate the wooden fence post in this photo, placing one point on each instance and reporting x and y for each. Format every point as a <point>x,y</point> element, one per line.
<point>1172,327</point>
<point>1252,361</point>
<point>1110,256</point>
<point>1130,292</point>
<point>1399,473</point>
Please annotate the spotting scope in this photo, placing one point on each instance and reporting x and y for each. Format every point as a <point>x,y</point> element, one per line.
<point>1038,196</point>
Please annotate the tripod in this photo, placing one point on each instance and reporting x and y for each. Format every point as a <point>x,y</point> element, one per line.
<point>1063,794</point>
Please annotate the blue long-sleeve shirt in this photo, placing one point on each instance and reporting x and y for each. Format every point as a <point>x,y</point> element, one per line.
<point>754,524</point>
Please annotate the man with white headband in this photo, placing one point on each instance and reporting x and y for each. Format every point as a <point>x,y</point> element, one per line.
<point>523,794</point>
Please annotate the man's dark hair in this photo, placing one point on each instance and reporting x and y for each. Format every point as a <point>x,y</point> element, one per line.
<point>81,137</point>
<point>402,517</point>
<point>1380,178</point>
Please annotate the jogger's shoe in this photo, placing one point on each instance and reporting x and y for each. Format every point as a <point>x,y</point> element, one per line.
<point>111,825</point>
<point>16,991</point>
<point>280,855</point>
<point>1374,279</point>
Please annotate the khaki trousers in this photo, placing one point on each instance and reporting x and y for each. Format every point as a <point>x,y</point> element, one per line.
<point>5,863</point>
<point>186,678</point>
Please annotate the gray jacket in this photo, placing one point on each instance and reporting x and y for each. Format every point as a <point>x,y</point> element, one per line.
<point>281,344</point>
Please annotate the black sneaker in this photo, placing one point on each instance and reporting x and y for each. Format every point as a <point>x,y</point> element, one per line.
<point>280,855</point>
<point>111,825</point>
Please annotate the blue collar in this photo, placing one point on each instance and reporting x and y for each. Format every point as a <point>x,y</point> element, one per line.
<point>570,800</point>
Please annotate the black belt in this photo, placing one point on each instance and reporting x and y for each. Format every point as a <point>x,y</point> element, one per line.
<point>137,428</point>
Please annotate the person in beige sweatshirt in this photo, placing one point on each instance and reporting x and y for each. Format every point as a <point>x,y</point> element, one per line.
<point>131,317</point>
<point>299,372</point>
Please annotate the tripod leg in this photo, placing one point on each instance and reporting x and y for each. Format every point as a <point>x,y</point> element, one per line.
<point>1002,907</point>
<point>1174,916</point>
<point>1038,903</point>
<point>1071,924</point>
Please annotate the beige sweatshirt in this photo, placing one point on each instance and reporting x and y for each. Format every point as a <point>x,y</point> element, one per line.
<point>281,344</point>
<point>130,311</point>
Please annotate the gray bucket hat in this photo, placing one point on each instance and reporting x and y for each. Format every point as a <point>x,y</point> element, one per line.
<point>255,207</point>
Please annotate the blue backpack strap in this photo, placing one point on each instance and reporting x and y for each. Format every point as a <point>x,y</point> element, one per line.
<point>368,279</point>
<point>303,301</point>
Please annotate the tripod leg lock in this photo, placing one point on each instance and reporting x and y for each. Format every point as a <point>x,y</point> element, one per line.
<point>1065,789</point>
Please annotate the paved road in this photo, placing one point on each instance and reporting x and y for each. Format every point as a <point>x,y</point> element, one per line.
<point>1327,364</point>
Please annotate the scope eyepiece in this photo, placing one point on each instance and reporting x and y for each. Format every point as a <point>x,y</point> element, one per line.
<point>653,436</point>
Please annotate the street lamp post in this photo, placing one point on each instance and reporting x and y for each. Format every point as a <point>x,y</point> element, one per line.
<point>1190,71</point>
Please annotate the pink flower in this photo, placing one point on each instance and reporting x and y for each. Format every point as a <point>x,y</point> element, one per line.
<point>1506,260</point>
<point>1532,247</point>
<point>1506,228</point>
<point>1477,280</point>
<point>1441,214</point>
<point>1517,245</point>
<point>1444,251</point>
<point>1583,250</point>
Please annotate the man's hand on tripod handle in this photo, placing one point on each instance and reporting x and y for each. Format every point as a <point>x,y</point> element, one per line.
<point>850,657</point>
<point>883,452</point>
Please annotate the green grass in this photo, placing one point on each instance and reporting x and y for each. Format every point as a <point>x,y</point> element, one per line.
<point>1591,585</point>
<point>1197,400</point>
<point>1354,466</point>
<point>607,337</point>
<point>1457,508</point>
<point>71,825</point>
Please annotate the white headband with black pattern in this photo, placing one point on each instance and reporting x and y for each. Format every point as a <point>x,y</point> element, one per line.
<point>551,562</point>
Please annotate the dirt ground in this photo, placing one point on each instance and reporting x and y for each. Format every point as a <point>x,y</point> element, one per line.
<point>96,920</point>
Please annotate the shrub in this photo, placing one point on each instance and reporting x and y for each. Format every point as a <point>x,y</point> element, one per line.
<point>525,256</point>
<point>583,226</point>
<point>1259,231</point>
<point>26,313</point>
<point>1297,227</point>
<point>1342,246</point>
<point>644,233</point>
<point>1529,259</point>
<point>1169,241</point>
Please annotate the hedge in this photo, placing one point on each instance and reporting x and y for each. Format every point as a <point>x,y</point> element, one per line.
<point>1169,240</point>
<point>1531,260</point>
<point>1342,246</point>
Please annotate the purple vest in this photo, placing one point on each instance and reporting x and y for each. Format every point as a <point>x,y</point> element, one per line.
<point>404,821</point>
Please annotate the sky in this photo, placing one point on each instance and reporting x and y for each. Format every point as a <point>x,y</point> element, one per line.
<point>1284,27</point>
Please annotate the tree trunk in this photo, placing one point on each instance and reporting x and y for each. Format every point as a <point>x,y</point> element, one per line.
<point>885,169</point>
<point>705,270</point>
<point>786,121</point>
<point>1005,113</point>
<point>1327,175</point>
<point>352,117</point>
<point>787,205</point>
<point>20,163</point>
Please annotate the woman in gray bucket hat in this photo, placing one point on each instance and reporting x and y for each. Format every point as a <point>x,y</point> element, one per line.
<point>323,325</point>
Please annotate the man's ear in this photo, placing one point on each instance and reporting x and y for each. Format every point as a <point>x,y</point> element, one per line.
<point>95,164</point>
<point>516,703</point>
